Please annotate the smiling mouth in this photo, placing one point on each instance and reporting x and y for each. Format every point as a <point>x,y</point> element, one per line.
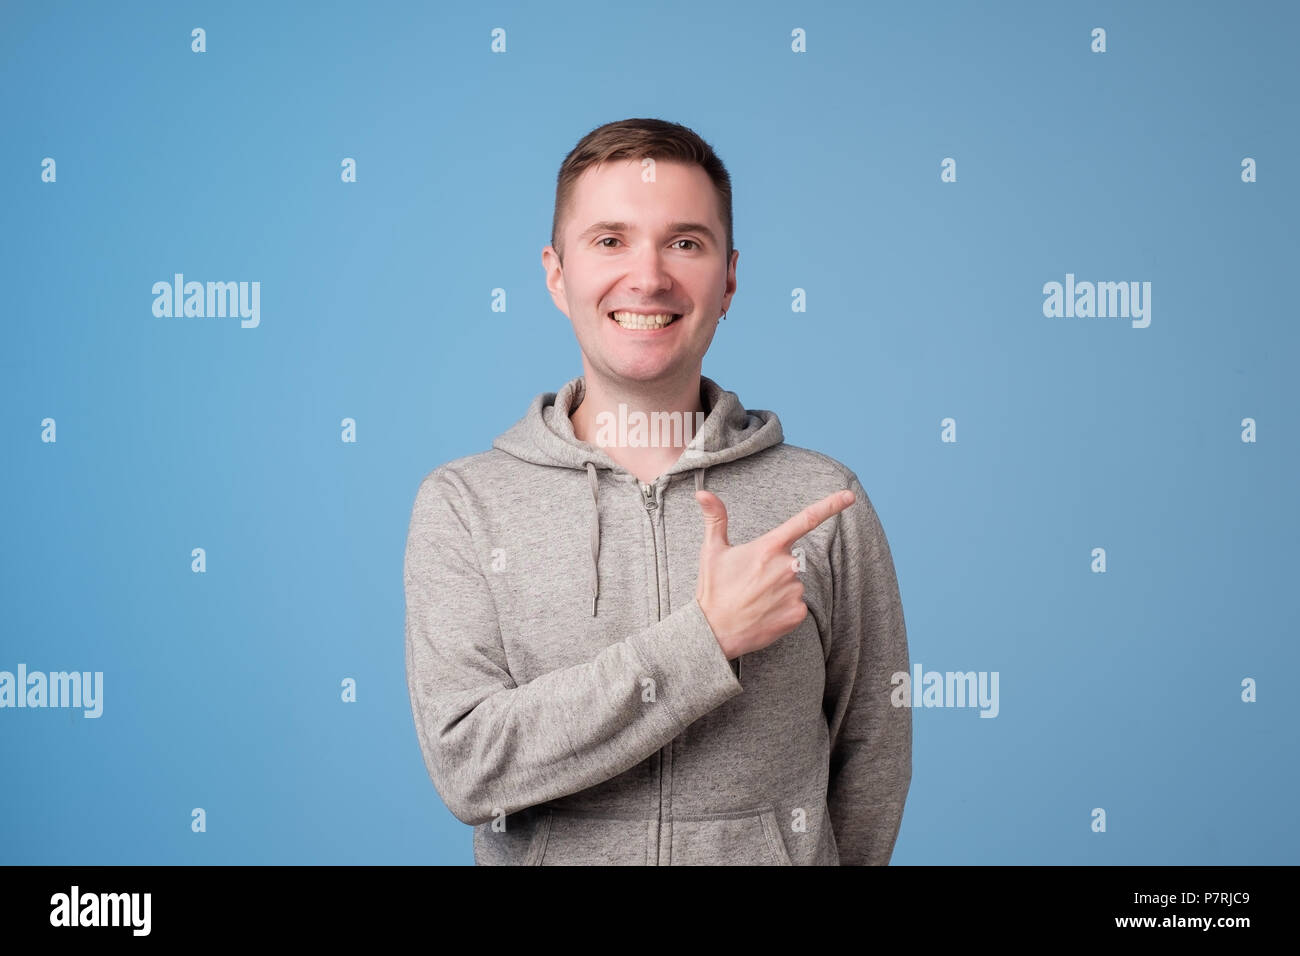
<point>638,322</point>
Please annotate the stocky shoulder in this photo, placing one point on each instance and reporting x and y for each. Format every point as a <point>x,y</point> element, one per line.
<point>470,471</point>
<point>819,474</point>
<point>466,484</point>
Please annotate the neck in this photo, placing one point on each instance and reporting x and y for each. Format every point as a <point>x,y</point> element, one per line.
<point>679,396</point>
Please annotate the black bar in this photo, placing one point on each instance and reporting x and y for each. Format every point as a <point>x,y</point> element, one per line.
<point>439,905</point>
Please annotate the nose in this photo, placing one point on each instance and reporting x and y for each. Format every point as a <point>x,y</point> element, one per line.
<point>647,273</point>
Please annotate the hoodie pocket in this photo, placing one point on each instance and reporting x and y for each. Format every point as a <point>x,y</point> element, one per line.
<point>571,838</point>
<point>515,844</point>
<point>740,838</point>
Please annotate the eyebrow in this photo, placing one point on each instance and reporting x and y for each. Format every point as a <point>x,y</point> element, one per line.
<point>607,226</point>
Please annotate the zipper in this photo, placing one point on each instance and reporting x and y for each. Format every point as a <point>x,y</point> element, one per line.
<point>650,498</point>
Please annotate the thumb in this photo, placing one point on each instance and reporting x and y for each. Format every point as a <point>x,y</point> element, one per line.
<point>715,521</point>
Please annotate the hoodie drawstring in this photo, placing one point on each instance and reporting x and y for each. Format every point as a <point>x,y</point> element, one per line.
<point>595,534</point>
<point>594,481</point>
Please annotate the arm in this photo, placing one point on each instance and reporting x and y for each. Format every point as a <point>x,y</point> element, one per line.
<point>491,745</point>
<point>871,740</point>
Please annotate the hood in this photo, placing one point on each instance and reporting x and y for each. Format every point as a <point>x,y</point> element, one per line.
<point>544,436</point>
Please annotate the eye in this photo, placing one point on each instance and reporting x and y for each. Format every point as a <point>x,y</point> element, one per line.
<point>601,242</point>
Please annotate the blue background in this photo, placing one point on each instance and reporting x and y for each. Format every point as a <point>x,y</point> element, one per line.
<point>222,690</point>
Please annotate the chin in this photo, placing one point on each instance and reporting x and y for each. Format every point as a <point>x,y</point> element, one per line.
<point>645,371</point>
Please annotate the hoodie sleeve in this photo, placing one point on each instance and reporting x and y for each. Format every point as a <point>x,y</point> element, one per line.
<point>492,746</point>
<point>871,740</point>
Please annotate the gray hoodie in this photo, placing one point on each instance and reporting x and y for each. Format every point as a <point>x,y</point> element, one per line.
<point>570,699</point>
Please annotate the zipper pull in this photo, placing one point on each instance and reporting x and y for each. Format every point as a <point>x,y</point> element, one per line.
<point>648,493</point>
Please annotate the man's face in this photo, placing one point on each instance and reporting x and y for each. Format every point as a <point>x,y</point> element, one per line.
<point>646,247</point>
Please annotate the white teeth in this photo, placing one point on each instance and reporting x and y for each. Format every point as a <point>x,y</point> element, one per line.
<point>633,320</point>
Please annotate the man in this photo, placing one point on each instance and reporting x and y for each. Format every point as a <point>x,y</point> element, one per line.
<point>609,662</point>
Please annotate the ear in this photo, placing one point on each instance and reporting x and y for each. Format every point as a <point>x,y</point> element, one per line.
<point>730,288</point>
<point>555,278</point>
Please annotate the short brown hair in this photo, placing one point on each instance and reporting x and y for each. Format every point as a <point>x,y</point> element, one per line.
<point>638,139</point>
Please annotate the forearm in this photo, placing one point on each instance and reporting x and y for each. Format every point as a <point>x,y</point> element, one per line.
<point>494,749</point>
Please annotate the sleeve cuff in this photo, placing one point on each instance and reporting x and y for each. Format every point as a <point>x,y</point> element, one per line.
<point>694,674</point>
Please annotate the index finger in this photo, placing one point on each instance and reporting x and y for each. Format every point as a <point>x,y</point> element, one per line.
<point>791,531</point>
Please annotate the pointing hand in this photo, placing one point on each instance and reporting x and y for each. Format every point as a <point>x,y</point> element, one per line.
<point>751,594</point>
